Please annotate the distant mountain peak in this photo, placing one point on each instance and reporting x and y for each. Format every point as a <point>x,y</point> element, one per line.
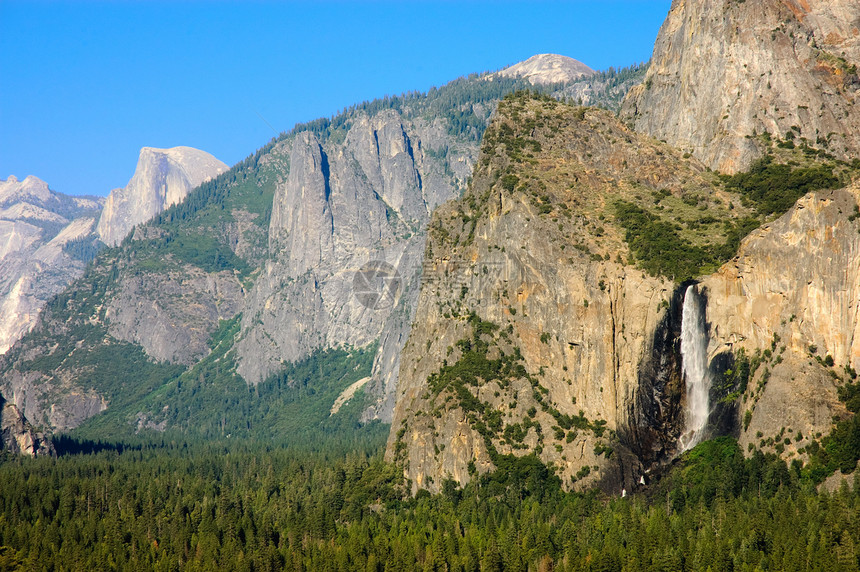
<point>35,225</point>
<point>548,68</point>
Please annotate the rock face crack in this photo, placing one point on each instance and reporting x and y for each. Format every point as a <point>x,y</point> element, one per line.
<point>615,359</point>
<point>417,172</point>
<point>326,174</point>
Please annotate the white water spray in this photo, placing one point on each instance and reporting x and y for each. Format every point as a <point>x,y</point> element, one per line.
<point>694,365</point>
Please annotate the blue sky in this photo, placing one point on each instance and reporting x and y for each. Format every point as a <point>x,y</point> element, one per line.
<point>85,85</point>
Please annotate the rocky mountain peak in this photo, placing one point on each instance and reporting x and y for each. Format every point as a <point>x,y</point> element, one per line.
<point>36,225</point>
<point>724,73</point>
<point>163,177</point>
<point>544,69</point>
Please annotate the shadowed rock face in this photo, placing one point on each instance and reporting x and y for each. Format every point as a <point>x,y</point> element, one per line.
<point>724,70</point>
<point>35,225</point>
<point>163,177</point>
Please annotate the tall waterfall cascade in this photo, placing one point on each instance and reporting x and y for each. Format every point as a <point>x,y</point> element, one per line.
<point>694,366</point>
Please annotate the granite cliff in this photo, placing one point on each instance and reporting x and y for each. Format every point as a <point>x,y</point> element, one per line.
<point>791,298</point>
<point>17,435</point>
<point>551,318</point>
<point>348,211</point>
<point>528,276</point>
<point>724,72</point>
<point>732,82</point>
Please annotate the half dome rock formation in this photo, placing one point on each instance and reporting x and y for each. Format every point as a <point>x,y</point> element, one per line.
<point>43,235</point>
<point>548,68</point>
<point>47,238</point>
<point>724,73</point>
<point>163,178</point>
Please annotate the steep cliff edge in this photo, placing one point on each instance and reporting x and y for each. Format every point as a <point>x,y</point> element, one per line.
<point>163,177</point>
<point>724,71</point>
<point>534,332</point>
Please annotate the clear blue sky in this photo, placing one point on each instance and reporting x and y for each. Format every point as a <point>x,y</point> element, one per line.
<point>85,85</point>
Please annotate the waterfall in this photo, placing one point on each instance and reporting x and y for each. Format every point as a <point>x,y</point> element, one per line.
<point>694,366</point>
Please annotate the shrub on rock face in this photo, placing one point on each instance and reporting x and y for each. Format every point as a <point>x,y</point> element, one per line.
<point>773,188</point>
